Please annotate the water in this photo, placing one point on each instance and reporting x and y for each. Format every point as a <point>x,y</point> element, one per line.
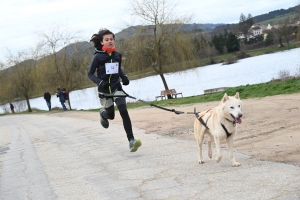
<point>191,82</point>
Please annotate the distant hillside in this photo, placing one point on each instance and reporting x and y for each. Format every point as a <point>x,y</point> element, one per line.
<point>274,14</point>
<point>272,17</point>
<point>130,31</point>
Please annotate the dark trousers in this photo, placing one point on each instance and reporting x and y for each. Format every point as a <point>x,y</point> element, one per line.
<point>49,104</point>
<point>63,105</point>
<point>110,114</point>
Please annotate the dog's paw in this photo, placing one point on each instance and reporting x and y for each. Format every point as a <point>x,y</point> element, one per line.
<point>218,158</point>
<point>236,164</point>
<point>200,161</point>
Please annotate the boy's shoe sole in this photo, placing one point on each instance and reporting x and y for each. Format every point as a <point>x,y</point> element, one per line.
<point>136,144</point>
<point>104,122</point>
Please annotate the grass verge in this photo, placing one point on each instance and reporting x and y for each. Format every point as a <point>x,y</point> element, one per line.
<point>288,86</point>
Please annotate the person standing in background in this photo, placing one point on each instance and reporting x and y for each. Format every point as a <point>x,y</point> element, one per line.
<point>47,97</point>
<point>60,95</point>
<point>66,97</point>
<point>12,108</point>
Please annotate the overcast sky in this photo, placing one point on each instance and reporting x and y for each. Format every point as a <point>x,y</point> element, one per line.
<point>21,20</point>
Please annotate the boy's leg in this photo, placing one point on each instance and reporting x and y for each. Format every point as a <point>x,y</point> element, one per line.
<point>121,103</point>
<point>134,144</point>
<point>108,112</point>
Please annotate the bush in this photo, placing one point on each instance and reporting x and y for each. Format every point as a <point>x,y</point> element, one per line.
<point>230,60</point>
<point>284,74</point>
<point>241,55</point>
<point>297,74</point>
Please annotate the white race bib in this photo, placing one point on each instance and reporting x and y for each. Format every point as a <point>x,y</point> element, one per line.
<point>112,68</point>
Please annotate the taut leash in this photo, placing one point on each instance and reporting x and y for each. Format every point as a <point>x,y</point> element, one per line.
<point>151,104</point>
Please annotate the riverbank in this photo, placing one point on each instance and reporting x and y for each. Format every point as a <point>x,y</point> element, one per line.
<point>193,82</point>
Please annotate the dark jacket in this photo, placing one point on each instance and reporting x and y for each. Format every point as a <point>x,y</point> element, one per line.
<point>60,95</point>
<point>47,96</point>
<point>98,64</point>
<point>65,93</point>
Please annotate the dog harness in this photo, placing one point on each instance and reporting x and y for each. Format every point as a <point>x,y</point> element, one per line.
<point>225,129</point>
<point>201,114</point>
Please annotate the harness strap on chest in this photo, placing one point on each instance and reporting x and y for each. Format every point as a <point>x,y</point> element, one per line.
<point>225,129</point>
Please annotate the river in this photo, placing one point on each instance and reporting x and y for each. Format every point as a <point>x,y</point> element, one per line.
<point>253,70</point>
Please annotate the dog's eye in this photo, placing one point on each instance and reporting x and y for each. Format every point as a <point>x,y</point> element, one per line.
<point>232,107</point>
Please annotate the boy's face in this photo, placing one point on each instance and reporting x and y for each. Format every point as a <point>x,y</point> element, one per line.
<point>108,41</point>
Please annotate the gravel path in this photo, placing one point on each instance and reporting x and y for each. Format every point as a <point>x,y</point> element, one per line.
<point>58,157</point>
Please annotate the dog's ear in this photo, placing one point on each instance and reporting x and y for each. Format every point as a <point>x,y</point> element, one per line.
<point>225,98</point>
<point>237,95</point>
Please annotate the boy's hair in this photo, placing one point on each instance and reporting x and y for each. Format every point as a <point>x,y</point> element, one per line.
<point>97,38</point>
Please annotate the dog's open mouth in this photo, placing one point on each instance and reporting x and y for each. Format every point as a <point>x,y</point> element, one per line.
<point>237,120</point>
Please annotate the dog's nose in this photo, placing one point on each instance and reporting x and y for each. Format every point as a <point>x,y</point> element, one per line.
<point>240,115</point>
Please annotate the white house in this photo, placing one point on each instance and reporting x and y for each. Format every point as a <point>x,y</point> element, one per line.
<point>255,30</point>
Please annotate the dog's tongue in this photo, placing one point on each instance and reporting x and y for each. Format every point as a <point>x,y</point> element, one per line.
<point>239,120</point>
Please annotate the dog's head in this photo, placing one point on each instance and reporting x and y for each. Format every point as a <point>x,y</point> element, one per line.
<point>232,107</point>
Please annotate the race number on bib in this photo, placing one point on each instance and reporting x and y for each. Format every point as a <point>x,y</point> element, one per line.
<point>112,68</point>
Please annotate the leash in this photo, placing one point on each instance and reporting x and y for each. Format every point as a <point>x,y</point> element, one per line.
<point>146,102</point>
<point>172,110</point>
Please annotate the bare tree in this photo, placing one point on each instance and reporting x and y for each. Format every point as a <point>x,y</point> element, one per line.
<point>287,31</point>
<point>22,80</point>
<point>279,34</point>
<point>66,56</point>
<point>244,26</point>
<point>160,42</point>
<point>283,31</point>
<point>211,52</point>
<point>2,82</point>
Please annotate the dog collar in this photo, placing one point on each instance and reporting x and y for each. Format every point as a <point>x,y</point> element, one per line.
<point>233,122</point>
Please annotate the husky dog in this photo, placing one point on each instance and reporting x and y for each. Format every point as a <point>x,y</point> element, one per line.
<point>220,124</point>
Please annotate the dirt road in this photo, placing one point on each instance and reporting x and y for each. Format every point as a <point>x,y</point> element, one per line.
<point>68,155</point>
<point>270,129</point>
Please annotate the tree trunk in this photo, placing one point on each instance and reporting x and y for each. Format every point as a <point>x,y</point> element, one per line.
<point>165,83</point>
<point>280,42</point>
<point>69,102</point>
<point>288,43</point>
<point>28,104</point>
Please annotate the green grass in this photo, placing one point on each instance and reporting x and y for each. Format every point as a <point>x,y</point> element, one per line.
<point>272,49</point>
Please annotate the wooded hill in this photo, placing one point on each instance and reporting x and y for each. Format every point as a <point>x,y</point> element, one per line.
<point>214,28</point>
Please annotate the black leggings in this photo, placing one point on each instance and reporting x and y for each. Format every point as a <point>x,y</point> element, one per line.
<point>110,114</point>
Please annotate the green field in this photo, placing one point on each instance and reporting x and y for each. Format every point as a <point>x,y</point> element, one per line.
<point>278,19</point>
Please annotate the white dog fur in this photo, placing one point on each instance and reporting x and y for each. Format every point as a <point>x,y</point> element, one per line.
<point>228,113</point>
